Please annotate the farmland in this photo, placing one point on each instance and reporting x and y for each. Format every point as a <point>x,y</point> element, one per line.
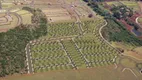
<point>71,46</point>
<point>67,40</point>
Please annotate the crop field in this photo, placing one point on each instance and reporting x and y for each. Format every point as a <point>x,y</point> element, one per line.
<point>71,46</point>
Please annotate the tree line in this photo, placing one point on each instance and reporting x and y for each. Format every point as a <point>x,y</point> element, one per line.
<point>115,30</point>
<point>14,41</point>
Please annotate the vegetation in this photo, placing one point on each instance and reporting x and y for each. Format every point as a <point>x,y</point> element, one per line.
<point>115,30</point>
<point>121,12</point>
<point>13,43</point>
<point>66,51</point>
<point>63,29</point>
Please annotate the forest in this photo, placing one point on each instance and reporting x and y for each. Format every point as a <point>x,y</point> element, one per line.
<point>14,41</point>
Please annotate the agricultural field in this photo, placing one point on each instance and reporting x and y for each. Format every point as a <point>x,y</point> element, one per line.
<point>71,46</point>
<point>63,39</point>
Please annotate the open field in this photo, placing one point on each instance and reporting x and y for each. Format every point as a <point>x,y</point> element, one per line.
<point>98,73</point>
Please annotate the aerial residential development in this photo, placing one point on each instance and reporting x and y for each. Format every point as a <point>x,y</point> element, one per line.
<point>70,40</point>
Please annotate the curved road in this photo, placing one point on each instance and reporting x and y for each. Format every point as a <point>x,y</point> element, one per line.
<point>100,30</point>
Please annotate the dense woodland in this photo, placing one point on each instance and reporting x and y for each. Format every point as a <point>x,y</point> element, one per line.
<point>115,30</point>
<point>14,41</point>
